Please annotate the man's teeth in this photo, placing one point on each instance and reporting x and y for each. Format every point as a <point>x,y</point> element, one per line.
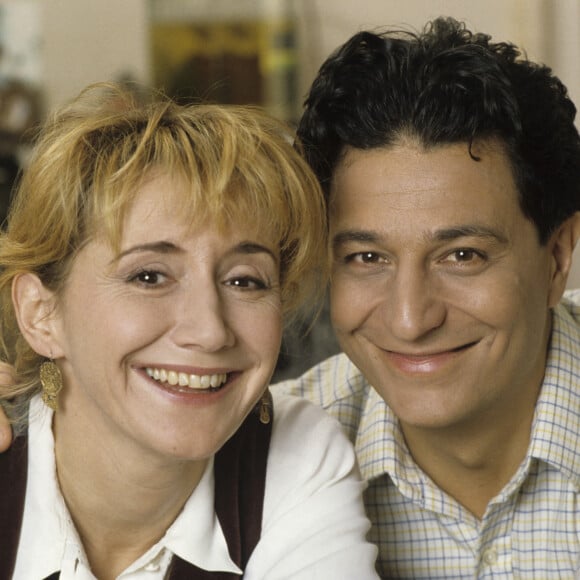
<point>185,380</point>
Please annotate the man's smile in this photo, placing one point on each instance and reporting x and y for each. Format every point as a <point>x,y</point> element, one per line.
<point>425,362</point>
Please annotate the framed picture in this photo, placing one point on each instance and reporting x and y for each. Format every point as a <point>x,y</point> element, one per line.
<point>216,54</point>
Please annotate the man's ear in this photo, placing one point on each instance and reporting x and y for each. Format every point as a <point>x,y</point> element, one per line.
<point>34,306</point>
<point>562,244</point>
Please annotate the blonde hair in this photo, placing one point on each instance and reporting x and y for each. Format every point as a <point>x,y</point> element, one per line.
<point>238,163</point>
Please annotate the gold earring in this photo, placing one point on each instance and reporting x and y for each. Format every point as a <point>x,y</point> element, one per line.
<point>51,381</point>
<point>265,407</point>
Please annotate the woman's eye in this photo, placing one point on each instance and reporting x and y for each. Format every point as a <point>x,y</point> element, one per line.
<point>149,278</point>
<point>247,283</point>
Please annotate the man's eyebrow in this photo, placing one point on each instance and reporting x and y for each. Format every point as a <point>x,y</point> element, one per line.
<point>347,236</point>
<point>469,231</point>
<point>443,235</point>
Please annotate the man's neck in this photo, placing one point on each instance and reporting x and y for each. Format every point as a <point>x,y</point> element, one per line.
<point>474,461</point>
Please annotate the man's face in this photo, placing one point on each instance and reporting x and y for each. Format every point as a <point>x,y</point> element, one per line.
<point>441,290</point>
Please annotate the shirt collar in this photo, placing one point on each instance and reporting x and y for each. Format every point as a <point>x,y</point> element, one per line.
<point>380,444</point>
<point>556,423</point>
<point>195,536</point>
<point>47,530</point>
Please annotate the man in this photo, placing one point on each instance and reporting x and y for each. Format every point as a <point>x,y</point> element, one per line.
<point>452,171</point>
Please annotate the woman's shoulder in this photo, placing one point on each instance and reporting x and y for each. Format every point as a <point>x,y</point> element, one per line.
<point>307,445</point>
<point>296,418</point>
<point>313,520</point>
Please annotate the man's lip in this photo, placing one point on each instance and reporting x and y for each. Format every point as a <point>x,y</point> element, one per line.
<point>431,353</point>
<point>425,362</point>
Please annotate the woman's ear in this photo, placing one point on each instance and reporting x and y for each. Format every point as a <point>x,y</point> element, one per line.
<point>562,244</point>
<point>34,306</point>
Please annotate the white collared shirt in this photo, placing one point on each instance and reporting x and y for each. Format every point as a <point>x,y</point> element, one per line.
<point>313,521</point>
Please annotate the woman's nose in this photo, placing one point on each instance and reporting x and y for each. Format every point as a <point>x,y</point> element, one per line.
<point>201,321</point>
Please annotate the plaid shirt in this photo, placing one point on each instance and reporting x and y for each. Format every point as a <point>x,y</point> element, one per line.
<point>530,530</point>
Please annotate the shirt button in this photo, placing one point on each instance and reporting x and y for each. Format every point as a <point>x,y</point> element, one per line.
<point>489,556</point>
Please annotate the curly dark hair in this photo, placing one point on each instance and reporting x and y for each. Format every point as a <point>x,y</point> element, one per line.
<point>446,85</point>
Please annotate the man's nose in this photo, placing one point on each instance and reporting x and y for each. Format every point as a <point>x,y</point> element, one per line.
<point>414,305</point>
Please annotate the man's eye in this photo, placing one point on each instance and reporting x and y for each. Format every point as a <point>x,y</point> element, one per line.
<point>465,255</point>
<point>365,258</point>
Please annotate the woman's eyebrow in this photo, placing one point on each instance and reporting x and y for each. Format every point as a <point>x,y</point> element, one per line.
<point>166,247</point>
<point>253,248</point>
<point>160,247</point>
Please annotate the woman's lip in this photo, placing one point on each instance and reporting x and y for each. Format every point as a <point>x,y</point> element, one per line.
<point>200,371</point>
<point>184,394</point>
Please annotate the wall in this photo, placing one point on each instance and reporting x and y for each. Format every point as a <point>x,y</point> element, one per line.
<point>87,41</point>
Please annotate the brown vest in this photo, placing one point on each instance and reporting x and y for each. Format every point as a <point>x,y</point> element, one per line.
<point>240,478</point>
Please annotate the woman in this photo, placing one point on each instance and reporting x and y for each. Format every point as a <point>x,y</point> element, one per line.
<point>151,254</point>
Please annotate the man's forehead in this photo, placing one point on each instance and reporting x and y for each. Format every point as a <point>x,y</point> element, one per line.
<point>409,168</point>
<point>437,193</point>
<point>413,147</point>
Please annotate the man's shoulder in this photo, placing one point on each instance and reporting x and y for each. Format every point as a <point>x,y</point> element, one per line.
<point>567,319</point>
<point>337,386</point>
<point>571,303</point>
<point>327,383</point>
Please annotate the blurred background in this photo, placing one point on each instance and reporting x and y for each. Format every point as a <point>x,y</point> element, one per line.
<point>264,52</point>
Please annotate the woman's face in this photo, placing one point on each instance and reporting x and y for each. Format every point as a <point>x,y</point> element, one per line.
<point>170,343</point>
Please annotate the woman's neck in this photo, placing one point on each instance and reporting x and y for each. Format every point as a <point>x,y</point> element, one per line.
<point>121,497</point>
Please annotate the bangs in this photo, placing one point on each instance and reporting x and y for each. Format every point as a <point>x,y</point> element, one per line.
<point>234,179</point>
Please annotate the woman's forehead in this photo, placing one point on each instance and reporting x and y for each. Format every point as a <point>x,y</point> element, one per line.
<point>164,206</point>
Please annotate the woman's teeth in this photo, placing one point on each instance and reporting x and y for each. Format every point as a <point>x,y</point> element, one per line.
<point>184,380</point>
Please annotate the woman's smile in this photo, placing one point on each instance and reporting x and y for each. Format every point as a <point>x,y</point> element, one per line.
<point>192,381</point>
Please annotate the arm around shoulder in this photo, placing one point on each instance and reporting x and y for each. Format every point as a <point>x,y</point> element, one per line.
<point>314,525</point>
